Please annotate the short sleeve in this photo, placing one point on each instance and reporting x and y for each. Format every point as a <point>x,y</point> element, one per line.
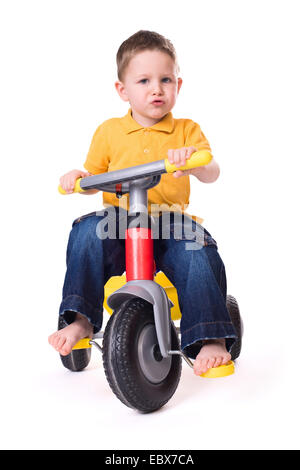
<point>195,137</point>
<point>97,159</point>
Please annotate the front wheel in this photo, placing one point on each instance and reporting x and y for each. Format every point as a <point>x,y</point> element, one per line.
<point>136,372</point>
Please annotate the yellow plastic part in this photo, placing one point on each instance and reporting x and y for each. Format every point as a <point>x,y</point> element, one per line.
<point>200,158</point>
<point>113,284</point>
<point>116,282</point>
<point>83,344</point>
<point>171,292</point>
<point>221,371</point>
<point>77,188</point>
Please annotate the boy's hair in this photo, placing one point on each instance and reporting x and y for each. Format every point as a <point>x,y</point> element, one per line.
<point>140,41</point>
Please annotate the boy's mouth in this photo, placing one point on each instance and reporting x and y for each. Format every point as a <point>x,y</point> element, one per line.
<point>157,102</point>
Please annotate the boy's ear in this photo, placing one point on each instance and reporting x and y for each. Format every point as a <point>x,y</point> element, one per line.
<point>121,90</point>
<point>179,81</point>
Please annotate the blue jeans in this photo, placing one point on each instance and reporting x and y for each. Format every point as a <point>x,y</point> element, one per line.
<point>189,259</point>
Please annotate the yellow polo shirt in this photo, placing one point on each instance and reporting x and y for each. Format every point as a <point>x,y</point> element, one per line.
<point>121,142</point>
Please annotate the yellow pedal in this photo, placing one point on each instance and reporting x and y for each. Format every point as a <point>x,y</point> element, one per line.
<point>221,371</point>
<point>83,344</point>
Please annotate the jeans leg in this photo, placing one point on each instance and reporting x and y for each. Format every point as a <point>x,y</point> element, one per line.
<point>200,279</point>
<point>91,261</point>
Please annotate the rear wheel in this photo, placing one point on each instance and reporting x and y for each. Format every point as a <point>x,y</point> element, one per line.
<point>236,319</point>
<point>78,359</point>
<point>136,371</point>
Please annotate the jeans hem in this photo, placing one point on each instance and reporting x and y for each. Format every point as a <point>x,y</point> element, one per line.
<point>75,303</point>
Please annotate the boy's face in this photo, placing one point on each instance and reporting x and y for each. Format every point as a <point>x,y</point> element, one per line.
<point>151,86</point>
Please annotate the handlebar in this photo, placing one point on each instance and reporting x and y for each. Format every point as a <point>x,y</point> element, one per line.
<point>197,159</point>
<point>200,158</point>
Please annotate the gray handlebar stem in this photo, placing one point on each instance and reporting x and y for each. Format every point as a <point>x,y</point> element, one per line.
<point>107,181</point>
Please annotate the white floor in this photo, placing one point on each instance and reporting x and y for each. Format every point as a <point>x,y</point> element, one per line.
<point>48,407</point>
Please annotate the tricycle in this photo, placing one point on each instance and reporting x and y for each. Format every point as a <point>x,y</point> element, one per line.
<point>140,344</point>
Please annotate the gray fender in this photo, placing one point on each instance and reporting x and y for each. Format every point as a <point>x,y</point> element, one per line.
<point>155,295</point>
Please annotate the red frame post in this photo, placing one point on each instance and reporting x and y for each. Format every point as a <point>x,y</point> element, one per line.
<point>139,254</point>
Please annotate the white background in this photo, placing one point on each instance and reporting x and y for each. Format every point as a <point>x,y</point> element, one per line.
<point>240,67</point>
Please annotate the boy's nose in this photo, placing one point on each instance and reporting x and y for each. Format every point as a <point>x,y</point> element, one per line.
<point>157,89</point>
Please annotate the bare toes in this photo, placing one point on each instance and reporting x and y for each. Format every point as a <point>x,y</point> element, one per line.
<point>200,366</point>
<point>60,343</point>
<point>211,362</point>
<point>226,358</point>
<point>53,339</point>
<point>66,348</point>
<point>218,362</point>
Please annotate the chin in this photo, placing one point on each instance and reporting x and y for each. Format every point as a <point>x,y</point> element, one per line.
<point>159,112</point>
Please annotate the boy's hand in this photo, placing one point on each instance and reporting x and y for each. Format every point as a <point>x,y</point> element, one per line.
<point>67,181</point>
<point>178,157</point>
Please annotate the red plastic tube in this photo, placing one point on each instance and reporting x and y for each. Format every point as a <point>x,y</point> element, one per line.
<point>139,254</point>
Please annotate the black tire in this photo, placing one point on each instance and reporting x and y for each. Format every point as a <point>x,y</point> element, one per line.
<point>136,372</point>
<point>78,359</point>
<point>236,319</point>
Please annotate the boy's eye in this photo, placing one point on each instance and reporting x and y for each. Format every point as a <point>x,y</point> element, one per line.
<point>143,81</point>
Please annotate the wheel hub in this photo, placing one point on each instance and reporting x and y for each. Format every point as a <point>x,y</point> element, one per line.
<point>153,365</point>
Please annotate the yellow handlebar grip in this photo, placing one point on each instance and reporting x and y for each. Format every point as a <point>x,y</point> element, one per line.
<point>200,158</point>
<point>77,188</point>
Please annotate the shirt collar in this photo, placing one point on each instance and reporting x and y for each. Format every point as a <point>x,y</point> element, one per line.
<point>165,125</point>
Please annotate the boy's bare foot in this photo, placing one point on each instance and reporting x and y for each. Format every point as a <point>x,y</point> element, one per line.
<point>212,354</point>
<point>63,340</point>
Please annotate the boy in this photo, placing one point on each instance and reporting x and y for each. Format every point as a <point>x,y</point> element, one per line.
<point>148,79</point>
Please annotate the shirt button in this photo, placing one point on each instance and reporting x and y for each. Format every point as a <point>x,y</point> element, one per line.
<point>146,150</point>
<point>146,132</point>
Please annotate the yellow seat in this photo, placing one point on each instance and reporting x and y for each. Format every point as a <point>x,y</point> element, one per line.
<point>115,282</point>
